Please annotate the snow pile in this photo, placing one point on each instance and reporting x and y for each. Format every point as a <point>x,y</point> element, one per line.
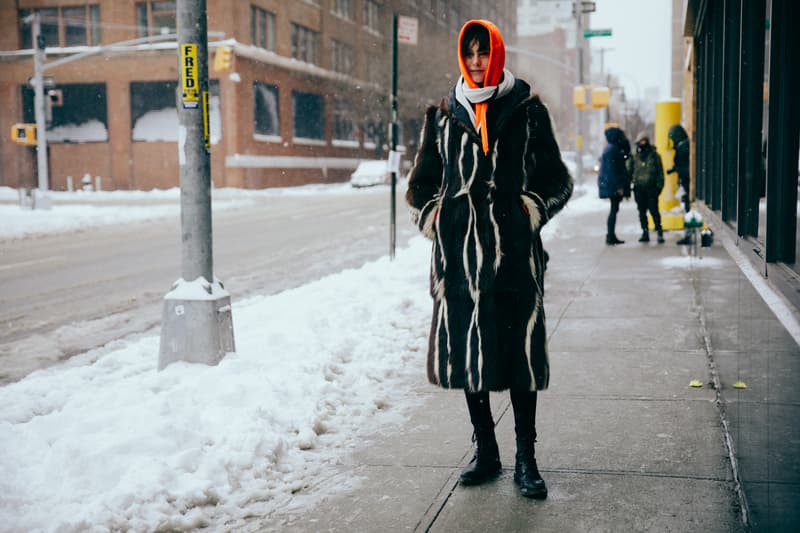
<point>81,210</point>
<point>115,444</point>
<point>90,131</point>
<point>19,222</point>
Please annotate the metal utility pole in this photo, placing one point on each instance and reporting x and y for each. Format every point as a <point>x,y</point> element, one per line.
<point>41,199</point>
<point>580,7</point>
<point>393,144</point>
<point>577,10</point>
<point>197,324</point>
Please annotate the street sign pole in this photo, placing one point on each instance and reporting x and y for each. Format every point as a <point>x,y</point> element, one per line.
<point>197,324</point>
<point>405,30</point>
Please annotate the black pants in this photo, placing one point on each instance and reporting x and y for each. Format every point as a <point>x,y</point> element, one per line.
<point>685,198</point>
<point>647,200</point>
<point>611,223</point>
<point>523,402</point>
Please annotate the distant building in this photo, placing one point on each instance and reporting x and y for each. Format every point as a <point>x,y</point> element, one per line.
<point>306,98</point>
<point>679,48</point>
<point>546,36</point>
<point>537,17</point>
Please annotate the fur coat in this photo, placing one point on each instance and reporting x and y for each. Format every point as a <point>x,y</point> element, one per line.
<point>484,213</point>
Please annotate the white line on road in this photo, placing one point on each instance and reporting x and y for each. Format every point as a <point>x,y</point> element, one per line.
<point>32,262</point>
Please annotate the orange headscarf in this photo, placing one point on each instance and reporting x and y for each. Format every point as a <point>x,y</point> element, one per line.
<point>494,72</point>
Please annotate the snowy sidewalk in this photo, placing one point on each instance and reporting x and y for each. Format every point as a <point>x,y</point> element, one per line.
<point>625,444</point>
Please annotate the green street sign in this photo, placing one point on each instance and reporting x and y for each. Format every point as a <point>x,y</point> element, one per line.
<point>605,32</point>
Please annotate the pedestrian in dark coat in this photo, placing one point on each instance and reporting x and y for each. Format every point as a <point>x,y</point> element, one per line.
<point>487,176</point>
<point>680,142</point>
<point>648,180</point>
<point>613,180</point>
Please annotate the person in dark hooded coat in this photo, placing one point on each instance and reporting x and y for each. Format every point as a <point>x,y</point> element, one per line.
<point>486,178</point>
<point>613,180</point>
<point>680,142</point>
<point>648,180</point>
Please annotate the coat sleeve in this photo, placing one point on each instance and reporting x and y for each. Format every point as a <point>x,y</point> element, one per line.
<point>548,184</point>
<point>425,178</point>
<point>660,173</point>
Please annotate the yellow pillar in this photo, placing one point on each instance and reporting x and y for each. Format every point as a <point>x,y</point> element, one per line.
<point>668,113</point>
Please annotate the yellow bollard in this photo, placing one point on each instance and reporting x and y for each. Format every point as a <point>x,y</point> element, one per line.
<point>668,113</point>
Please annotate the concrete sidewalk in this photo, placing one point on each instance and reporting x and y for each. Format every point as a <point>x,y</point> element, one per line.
<point>625,444</point>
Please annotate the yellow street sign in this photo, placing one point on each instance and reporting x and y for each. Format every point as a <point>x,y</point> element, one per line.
<point>206,132</point>
<point>190,76</point>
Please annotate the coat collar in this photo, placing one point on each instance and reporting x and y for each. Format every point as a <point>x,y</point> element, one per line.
<point>499,110</point>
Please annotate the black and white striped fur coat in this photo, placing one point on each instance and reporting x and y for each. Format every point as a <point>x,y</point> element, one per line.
<point>484,213</point>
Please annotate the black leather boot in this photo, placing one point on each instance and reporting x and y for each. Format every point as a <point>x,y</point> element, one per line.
<point>660,236</point>
<point>645,236</point>
<point>485,464</point>
<point>526,473</point>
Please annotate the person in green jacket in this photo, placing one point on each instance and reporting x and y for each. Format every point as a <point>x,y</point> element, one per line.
<point>648,179</point>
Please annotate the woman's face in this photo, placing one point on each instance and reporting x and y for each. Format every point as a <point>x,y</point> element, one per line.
<point>476,61</point>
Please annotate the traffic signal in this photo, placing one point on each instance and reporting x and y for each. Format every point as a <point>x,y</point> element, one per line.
<point>24,134</point>
<point>222,58</point>
<point>587,96</point>
<point>56,97</point>
<point>600,97</point>
<point>579,96</point>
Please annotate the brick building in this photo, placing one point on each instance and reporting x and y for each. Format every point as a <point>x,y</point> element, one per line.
<point>307,96</point>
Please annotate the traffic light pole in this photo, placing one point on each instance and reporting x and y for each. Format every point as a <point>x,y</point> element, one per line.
<point>197,324</point>
<point>578,11</point>
<point>41,199</point>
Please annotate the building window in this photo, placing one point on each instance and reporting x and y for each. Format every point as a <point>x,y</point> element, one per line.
<point>342,57</point>
<point>155,18</point>
<point>343,125</point>
<point>266,117</point>
<point>154,111</point>
<point>305,43</point>
<point>375,68</point>
<point>63,26</point>
<point>262,28</point>
<point>441,12</point>
<point>374,136</point>
<point>81,117</point>
<point>454,19</point>
<point>343,8</point>
<point>372,15</point>
<point>308,111</point>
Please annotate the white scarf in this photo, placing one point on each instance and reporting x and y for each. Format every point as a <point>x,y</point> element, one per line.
<point>467,96</point>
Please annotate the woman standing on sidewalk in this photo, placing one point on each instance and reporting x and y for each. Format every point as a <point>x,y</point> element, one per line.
<point>487,176</point>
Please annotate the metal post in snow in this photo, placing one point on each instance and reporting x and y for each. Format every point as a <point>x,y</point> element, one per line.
<point>197,324</point>
<point>41,199</point>
<point>393,144</point>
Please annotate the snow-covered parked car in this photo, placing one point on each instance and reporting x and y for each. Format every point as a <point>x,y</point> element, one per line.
<point>370,173</point>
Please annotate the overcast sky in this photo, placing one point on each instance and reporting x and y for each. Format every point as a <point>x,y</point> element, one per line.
<point>641,43</point>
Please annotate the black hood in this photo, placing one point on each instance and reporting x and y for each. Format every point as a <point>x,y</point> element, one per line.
<point>677,134</point>
<point>615,136</point>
